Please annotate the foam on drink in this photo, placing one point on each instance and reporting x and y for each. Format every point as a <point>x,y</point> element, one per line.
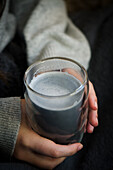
<point>55,84</point>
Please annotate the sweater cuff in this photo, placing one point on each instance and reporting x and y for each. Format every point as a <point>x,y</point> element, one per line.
<point>10,117</point>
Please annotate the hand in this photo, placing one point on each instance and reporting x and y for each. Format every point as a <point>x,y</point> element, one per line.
<point>92,100</point>
<point>37,150</point>
<point>93,108</point>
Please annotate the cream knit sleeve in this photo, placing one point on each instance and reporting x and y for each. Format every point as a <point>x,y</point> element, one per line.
<point>49,32</point>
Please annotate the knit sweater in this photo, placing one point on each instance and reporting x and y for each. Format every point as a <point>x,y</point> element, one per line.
<point>48,32</point>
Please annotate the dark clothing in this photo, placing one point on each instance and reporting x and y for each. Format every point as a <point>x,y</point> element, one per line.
<point>97,153</point>
<point>12,71</point>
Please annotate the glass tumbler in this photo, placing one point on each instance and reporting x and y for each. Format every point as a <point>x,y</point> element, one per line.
<point>57,99</point>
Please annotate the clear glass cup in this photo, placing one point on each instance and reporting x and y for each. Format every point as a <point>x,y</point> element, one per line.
<point>57,99</point>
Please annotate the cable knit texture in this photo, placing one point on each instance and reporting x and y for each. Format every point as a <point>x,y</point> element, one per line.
<point>10,117</point>
<point>49,32</point>
<point>47,28</point>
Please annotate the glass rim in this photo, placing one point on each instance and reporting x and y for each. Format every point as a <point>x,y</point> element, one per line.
<point>58,58</point>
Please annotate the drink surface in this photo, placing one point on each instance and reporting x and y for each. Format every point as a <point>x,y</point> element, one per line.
<point>55,84</point>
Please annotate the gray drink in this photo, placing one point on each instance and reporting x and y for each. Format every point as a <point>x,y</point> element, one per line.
<point>57,111</point>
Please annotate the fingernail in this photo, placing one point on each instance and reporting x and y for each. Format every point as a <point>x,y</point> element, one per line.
<point>97,120</point>
<point>91,129</point>
<point>80,147</point>
<point>95,105</point>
